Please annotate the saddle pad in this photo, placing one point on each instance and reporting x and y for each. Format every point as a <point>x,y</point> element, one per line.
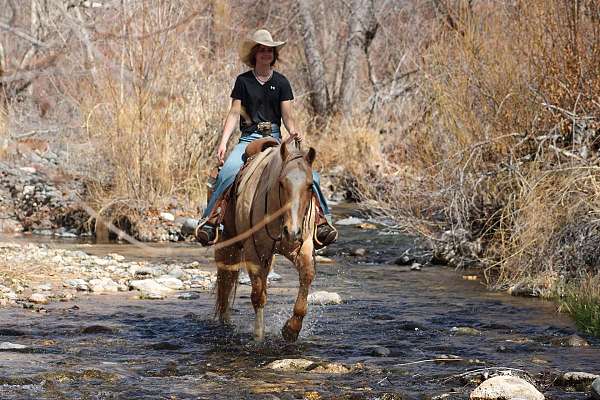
<point>245,190</point>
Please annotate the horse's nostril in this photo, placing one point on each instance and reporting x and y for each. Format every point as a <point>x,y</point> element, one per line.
<point>286,232</point>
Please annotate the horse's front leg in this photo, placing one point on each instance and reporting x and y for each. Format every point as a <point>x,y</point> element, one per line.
<point>305,264</point>
<point>258,277</point>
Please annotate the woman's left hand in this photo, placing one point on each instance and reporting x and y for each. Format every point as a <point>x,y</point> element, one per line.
<point>296,135</point>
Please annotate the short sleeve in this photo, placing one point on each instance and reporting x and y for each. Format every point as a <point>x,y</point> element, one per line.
<point>238,90</point>
<point>286,91</point>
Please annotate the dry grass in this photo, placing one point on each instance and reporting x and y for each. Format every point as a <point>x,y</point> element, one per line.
<point>509,147</point>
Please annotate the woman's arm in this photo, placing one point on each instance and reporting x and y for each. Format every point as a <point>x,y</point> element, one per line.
<point>230,123</point>
<point>288,119</point>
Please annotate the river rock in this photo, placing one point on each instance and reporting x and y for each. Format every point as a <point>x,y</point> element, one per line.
<point>170,282</point>
<point>78,284</point>
<point>349,221</point>
<point>167,216</point>
<point>415,267</point>
<point>44,288</point>
<point>367,226</point>
<point>570,341</point>
<point>291,364</point>
<point>38,298</point>
<point>359,252</point>
<point>150,289</point>
<point>11,346</point>
<point>596,389</point>
<point>103,285</point>
<point>324,260</point>
<point>576,378</point>
<point>506,387</point>
<point>324,298</point>
<point>465,331</point>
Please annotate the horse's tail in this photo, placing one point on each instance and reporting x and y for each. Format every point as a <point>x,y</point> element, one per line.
<point>227,282</point>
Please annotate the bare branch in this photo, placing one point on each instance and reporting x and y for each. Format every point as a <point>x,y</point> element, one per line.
<point>22,35</point>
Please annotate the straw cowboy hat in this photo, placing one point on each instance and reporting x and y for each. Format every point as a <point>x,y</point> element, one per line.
<point>261,36</point>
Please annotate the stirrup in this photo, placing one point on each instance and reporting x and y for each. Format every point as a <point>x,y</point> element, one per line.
<point>206,233</point>
<point>325,234</point>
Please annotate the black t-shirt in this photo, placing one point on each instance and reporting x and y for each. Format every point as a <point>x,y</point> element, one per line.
<point>260,103</point>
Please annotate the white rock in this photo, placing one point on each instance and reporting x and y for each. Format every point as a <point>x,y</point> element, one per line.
<point>506,387</point>
<point>596,389</point>
<point>38,298</point>
<point>324,298</point>
<point>11,346</point>
<point>44,288</point>
<point>4,289</point>
<point>116,257</point>
<point>349,221</point>
<point>103,285</point>
<point>149,286</point>
<point>273,276</point>
<point>78,284</point>
<point>167,216</point>
<point>170,282</point>
<point>579,377</point>
<point>290,364</point>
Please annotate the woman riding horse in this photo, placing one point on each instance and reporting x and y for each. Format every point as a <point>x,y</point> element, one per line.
<point>261,98</point>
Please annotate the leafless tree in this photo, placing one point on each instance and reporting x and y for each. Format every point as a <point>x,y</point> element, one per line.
<point>316,71</point>
<point>363,27</point>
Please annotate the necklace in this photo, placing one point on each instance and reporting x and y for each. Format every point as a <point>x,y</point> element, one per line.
<point>263,78</point>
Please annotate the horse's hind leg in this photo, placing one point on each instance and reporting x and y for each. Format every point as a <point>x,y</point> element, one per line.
<point>305,264</point>
<point>258,277</point>
<point>227,260</point>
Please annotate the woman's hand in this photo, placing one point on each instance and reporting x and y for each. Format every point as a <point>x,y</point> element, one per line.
<point>296,135</point>
<point>221,152</point>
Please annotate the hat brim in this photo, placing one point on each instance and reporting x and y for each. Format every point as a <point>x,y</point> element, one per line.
<point>248,44</point>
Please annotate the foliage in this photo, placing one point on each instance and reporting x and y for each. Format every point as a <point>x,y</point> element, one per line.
<point>582,301</point>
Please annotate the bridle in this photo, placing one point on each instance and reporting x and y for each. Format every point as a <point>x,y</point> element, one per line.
<point>307,215</point>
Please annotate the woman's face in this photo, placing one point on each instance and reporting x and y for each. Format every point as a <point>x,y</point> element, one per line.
<point>264,55</point>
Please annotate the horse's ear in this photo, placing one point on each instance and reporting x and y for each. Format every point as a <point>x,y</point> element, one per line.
<point>310,156</point>
<point>283,151</point>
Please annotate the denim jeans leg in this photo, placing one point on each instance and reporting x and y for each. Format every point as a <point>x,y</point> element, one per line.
<point>322,201</point>
<point>226,176</point>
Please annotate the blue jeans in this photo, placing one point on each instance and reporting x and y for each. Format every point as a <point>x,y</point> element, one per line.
<point>234,163</point>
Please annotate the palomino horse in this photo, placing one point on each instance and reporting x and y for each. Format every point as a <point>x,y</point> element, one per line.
<point>272,208</point>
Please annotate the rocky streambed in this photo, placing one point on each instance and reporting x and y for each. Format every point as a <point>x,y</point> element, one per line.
<point>119,321</point>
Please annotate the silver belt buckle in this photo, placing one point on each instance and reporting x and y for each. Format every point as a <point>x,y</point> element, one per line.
<point>264,128</point>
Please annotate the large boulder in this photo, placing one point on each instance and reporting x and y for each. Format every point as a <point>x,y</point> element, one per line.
<point>506,387</point>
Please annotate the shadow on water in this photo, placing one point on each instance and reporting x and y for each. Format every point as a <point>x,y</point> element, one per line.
<point>395,328</point>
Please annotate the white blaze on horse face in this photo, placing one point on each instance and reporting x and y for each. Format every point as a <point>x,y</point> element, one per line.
<point>296,180</point>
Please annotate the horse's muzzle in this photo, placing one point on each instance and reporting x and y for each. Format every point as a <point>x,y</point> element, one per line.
<point>294,236</point>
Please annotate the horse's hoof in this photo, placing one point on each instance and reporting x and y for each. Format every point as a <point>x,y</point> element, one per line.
<point>289,334</point>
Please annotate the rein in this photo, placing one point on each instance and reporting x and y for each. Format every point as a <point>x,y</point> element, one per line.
<point>266,206</point>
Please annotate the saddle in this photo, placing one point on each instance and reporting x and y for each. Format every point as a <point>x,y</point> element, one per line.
<point>257,146</point>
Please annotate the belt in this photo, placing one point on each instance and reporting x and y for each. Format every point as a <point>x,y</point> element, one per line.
<point>264,128</point>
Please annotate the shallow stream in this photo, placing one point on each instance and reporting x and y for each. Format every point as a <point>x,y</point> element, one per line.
<point>395,327</point>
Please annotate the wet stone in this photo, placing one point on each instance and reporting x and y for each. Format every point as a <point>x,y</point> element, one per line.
<point>570,341</point>
<point>7,346</point>
<point>596,389</point>
<point>379,351</point>
<point>11,332</point>
<point>506,387</point>
<point>324,298</point>
<point>188,296</point>
<point>465,331</point>
<point>98,329</point>
<point>359,252</point>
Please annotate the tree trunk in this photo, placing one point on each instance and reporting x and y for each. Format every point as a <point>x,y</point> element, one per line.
<point>319,97</point>
<point>362,28</point>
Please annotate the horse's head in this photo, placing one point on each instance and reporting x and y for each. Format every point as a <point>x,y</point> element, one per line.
<point>295,186</point>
